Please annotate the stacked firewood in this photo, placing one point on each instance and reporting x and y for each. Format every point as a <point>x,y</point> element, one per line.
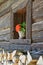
<point>18,57</point>
<point>15,58</point>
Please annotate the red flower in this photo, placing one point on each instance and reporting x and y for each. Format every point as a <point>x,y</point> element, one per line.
<point>18,27</point>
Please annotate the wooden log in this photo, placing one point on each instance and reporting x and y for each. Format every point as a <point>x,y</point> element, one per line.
<point>37,32</point>
<point>29,20</point>
<point>37,12</point>
<point>38,26</point>
<point>5,21</point>
<point>38,19</point>
<point>14,4</point>
<point>5,27</point>
<point>11,46</point>
<point>12,24</point>
<point>37,36</point>
<point>7,5</point>
<point>37,8</point>
<point>38,45</point>
<point>20,41</point>
<point>36,3</point>
<point>19,5</point>
<point>33,62</point>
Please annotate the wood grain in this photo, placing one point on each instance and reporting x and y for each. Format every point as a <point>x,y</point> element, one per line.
<point>37,32</point>
<point>33,62</point>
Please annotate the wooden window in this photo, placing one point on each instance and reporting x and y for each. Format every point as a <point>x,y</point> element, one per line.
<point>20,16</point>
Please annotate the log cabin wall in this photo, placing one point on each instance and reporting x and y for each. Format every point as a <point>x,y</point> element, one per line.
<point>23,43</point>
<point>37,15</point>
<point>5,27</point>
<point>5,7</point>
<point>37,26</point>
<point>5,17</point>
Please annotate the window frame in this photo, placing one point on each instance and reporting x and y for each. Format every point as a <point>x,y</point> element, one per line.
<point>28,25</point>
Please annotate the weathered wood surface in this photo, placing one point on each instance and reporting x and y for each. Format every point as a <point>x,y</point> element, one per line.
<point>14,4</point>
<point>12,46</point>
<point>19,5</point>
<point>37,27</point>
<point>36,3</point>
<point>37,36</point>
<point>29,20</point>
<point>37,32</point>
<point>5,27</point>
<point>11,24</point>
<point>5,21</point>
<point>5,7</point>
<point>38,13</point>
<point>38,19</point>
<point>37,8</point>
<point>2,1</point>
<point>20,41</point>
<point>33,62</point>
<point>38,46</point>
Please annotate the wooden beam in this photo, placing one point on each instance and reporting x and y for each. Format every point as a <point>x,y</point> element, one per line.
<point>37,27</point>
<point>3,2</point>
<point>37,13</point>
<point>37,36</point>
<point>5,7</point>
<point>37,31</point>
<point>37,4</point>
<point>4,12</point>
<point>29,20</point>
<point>37,19</point>
<point>10,46</point>
<point>38,45</point>
<point>14,4</point>
<point>19,5</point>
<point>12,25</point>
<point>20,41</point>
<point>38,9</point>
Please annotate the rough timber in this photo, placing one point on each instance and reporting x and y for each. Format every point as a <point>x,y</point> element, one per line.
<point>34,11</point>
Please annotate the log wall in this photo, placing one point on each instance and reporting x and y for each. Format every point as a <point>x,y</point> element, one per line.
<point>5,27</point>
<point>37,15</point>
<point>37,26</point>
<point>37,32</point>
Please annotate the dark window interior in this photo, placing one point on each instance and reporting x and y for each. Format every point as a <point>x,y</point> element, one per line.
<point>19,17</point>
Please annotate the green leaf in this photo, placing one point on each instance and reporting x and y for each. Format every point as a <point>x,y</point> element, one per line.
<point>23,24</point>
<point>22,29</point>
